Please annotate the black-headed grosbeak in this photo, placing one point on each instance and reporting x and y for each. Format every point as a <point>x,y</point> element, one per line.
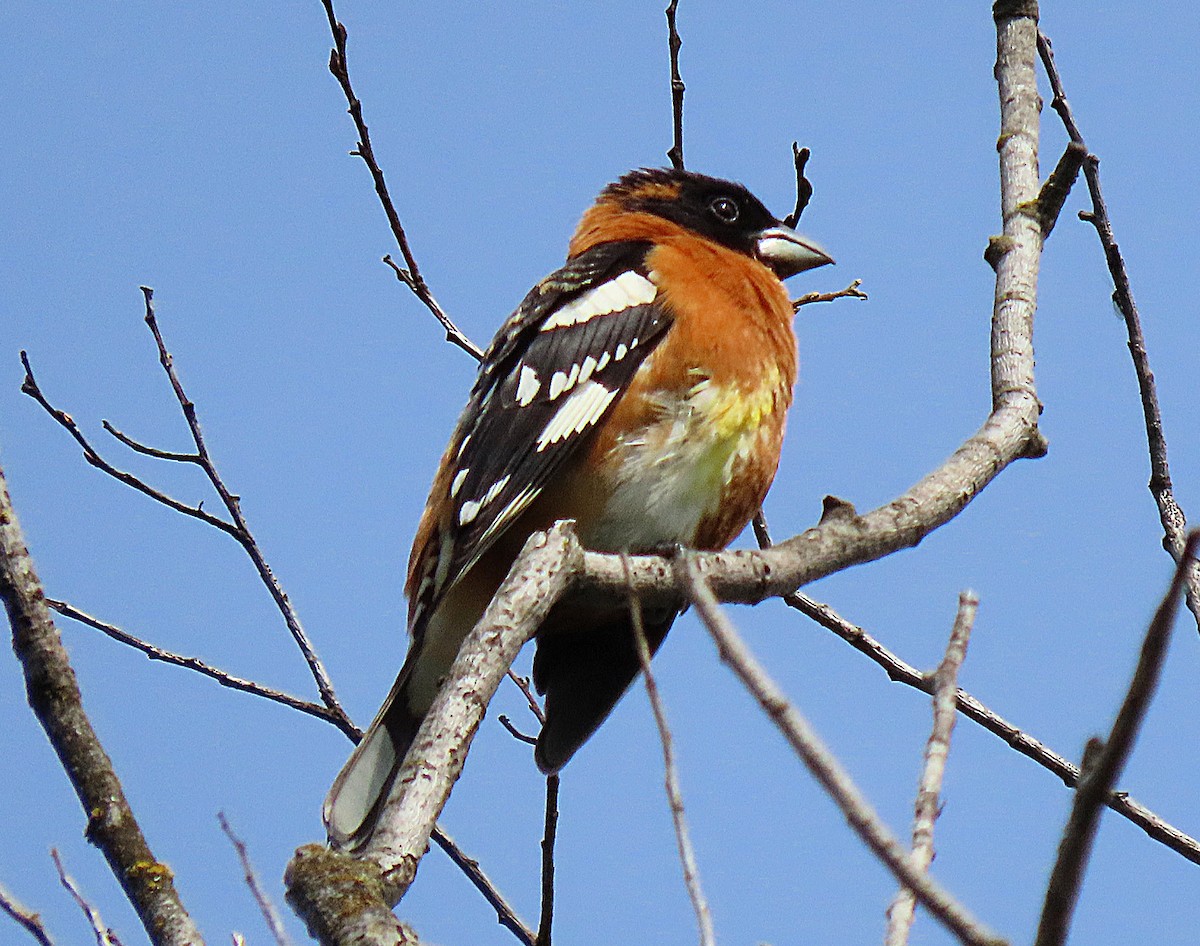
<point>640,390</point>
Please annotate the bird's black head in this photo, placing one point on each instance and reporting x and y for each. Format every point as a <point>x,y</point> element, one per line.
<point>722,211</point>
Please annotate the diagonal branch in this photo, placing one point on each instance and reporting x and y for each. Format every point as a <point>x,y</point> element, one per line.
<point>937,749</point>
<point>683,838</point>
<point>826,769</point>
<point>55,699</point>
<point>1100,774</point>
<point>1174,522</point>
<point>199,666</point>
<point>27,918</point>
<point>409,274</point>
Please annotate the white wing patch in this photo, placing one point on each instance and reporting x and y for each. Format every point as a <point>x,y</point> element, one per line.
<point>528,386</point>
<point>626,291</point>
<point>578,412</point>
<point>469,510</point>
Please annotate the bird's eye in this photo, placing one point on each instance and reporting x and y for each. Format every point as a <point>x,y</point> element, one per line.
<point>724,209</point>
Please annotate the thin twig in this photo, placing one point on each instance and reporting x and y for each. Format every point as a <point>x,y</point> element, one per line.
<point>30,387</point>
<point>454,334</point>
<point>1174,522</point>
<point>199,666</point>
<point>243,534</point>
<point>675,155</point>
<point>804,188</point>
<point>900,671</point>
<point>549,835</point>
<point>139,447</point>
<point>825,768</point>
<point>266,907</point>
<point>104,935</point>
<point>514,732</point>
<point>522,684</point>
<point>505,914</point>
<point>410,273</point>
<point>1102,772</point>
<point>937,749</point>
<point>30,920</point>
<point>683,839</point>
<point>850,292</point>
<point>54,697</point>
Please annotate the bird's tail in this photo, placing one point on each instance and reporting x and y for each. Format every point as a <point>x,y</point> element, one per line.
<point>584,672</point>
<point>354,802</point>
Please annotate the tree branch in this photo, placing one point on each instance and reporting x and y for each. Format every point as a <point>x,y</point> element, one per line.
<point>1100,774</point>
<point>56,701</point>
<point>675,154</point>
<point>1174,522</point>
<point>27,918</point>
<point>937,749</point>
<point>826,769</point>
<point>683,839</point>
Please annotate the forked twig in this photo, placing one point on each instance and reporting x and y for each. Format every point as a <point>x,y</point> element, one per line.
<point>410,273</point>
<point>937,749</point>
<point>1174,522</point>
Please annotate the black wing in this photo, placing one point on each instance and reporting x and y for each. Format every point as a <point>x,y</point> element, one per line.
<point>552,374</point>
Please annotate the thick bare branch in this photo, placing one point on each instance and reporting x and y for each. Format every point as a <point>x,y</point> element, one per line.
<point>54,696</point>
<point>937,749</point>
<point>1100,773</point>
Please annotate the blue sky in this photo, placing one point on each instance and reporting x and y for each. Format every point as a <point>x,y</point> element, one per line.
<point>203,151</point>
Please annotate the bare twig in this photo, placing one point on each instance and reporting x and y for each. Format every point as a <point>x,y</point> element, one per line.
<point>27,918</point>
<point>54,697</point>
<point>104,935</point>
<point>804,188</point>
<point>265,906</point>
<point>928,806</point>
<point>900,671</point>
<point>1101,773</point>
<point>139,447</point>
<point>67,422</point>
<point>243,534</point>
<point>683,839</point>
<point>675,155</point>
<point>522,684</point>
<point>512,730</point>
<point>1174,522</point>
<point>505,914</point>
<point>850,292</point>
<point>454,334</point>
<point>549,834</point>
<point>410,273</point>
<point>825,768</point>
<point>550,822</point>
<point>199,666</point>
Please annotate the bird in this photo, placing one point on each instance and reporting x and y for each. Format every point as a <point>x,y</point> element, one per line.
<point>641,390</point>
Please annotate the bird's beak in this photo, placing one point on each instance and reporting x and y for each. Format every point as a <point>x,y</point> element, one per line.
<point>786,252</point>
